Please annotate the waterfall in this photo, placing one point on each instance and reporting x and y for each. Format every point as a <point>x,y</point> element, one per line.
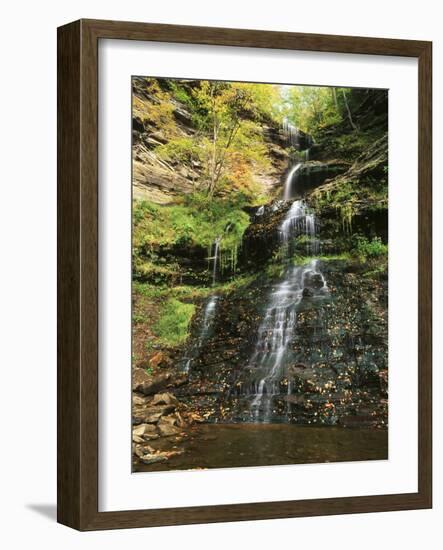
<point>208,313</point>
<point>293,221</point>
<point>208,317</point>
<point>299,220</point>
<point>275,334</point>
<point>292,133</point>
<point>288,183</point>
<point>215,257</point>
<point>272,354</point>
<point>313,243</point>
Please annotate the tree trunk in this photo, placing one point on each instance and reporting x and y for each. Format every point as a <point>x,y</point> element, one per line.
<point>348,111</point>
<point>334,96</point>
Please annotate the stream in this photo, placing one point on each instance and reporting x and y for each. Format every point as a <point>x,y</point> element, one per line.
<point>237,445</point>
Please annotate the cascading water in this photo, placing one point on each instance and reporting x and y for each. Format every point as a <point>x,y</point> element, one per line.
<point>299,221</point>
<point>292,175</point>
<point>272,353</point>
<point>209,311</point>
<point>215,257</point>
<point>296,138</point>
<point>292,133</point>
<point>208,317</point>
<point>260,211</point>
<point>313,242</point>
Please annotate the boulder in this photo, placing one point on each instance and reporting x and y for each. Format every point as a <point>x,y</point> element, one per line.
<point>313,280</point>
<point>141,450</point>
<point>150,415</point>
<point>166,428</point>
<point>144,432</point>
<point>172,419</point>
<point>138,401</point>
<point>148,384</point>
<point>140,416</point>
<point>153,458</point>
<point>164,399</point>
<point>158,456</point>
<point>157,359</point>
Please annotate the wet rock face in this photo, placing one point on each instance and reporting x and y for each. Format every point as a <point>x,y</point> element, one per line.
<point>337,372</point>
<point>369,223</point>
<point>313,281</point>
<point>312,174</point>
<point>262,237</point>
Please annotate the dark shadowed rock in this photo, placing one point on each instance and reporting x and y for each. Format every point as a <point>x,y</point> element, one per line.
<point>313,280</point>
<point>183,116</point>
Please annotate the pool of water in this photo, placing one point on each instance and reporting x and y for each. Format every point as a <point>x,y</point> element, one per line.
<point>237,445</point>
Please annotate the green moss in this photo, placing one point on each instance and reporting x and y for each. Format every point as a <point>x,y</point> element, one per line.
<point>180,292</point>
<point>195,222</point>
<point>303,260</point>
<point>172,328</point>
<point>274,269</point>
<point>187,292</point>
<point>137,318</point>
<point>376,272</point>
<point>181,93</point>
<point>361,249</point>
<point>235,283</point>
<point>147,270</point>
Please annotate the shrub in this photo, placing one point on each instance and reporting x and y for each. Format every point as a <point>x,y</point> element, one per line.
<point>369,249</point>
<point>180,150</point>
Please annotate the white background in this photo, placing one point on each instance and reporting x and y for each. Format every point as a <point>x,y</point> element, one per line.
<point>118,489</point>
<point>27,218</point>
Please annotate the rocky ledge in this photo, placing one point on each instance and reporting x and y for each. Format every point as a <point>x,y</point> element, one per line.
<point>160,422</point>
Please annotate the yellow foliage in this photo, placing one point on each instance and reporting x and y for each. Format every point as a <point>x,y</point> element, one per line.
<point>157,111</point>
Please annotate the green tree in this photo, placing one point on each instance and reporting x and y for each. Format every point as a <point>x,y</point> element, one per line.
<point>220,109</point>
<point>311,108</point>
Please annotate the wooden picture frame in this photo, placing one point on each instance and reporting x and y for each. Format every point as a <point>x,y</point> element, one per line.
<point>78,274</point>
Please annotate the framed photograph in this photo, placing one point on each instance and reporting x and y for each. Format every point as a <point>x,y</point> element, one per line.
<point>244,275</point>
